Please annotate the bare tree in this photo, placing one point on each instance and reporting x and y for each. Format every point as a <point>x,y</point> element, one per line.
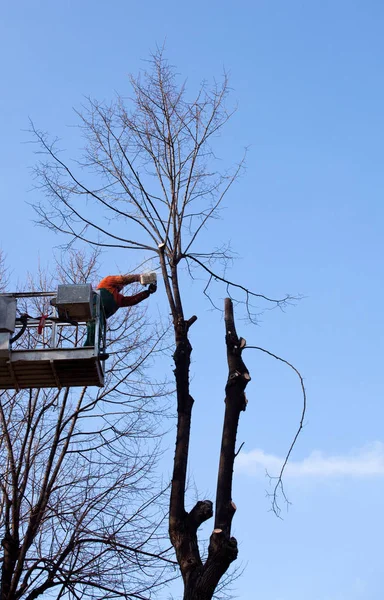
<point>79,515</point>
<point>4,275</point>
<point>157,183</point>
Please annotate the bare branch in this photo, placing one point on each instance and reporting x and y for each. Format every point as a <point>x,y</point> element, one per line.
<point>279,483</point>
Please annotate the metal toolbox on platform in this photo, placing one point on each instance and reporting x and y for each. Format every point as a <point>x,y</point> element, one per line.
<point>75,301</point>
<point>7,314</point>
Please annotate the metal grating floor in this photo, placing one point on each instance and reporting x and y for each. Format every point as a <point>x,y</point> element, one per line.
<point>54,368</point>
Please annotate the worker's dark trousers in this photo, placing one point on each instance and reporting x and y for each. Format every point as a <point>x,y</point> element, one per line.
<point>109,305</point>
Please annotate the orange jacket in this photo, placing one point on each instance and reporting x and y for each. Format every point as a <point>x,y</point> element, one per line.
<point>115,283</point>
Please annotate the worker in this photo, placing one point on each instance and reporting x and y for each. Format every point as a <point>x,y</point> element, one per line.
<point>111,298</point>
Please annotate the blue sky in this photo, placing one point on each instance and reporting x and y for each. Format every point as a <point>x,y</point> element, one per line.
<point>306,217</point>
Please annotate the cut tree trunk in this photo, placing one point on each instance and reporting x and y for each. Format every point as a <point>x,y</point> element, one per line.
<point>201,579</point>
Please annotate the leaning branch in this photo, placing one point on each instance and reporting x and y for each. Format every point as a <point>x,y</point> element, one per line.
<point>279,483</point>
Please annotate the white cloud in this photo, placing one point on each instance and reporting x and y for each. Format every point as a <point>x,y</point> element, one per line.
<point>362,462</point>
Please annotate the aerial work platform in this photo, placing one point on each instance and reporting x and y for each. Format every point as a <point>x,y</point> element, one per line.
<point>51,368</point>
<point>48,351</point>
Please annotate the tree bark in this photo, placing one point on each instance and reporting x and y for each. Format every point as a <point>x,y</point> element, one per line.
<point>200,580</point>
<point>10,557</point>
<point>235,403</point>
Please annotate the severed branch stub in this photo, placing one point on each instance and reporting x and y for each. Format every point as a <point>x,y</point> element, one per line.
<point>202,511</point>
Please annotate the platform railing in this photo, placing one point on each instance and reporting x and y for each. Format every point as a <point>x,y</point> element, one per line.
<point>55,339</point>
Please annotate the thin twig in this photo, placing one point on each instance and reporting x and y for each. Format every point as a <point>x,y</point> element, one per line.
<point>279,485</point>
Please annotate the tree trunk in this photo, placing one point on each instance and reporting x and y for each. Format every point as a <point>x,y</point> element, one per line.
<point>200,580</point>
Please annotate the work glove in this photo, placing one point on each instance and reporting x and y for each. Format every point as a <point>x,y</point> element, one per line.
<point>152,288</point>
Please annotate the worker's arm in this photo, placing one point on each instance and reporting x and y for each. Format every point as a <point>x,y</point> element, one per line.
<point>118,280</point>
<point>136,298</point>
<point>127,279</point>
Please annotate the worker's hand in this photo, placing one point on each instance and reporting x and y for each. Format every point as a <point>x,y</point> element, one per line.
<point>152,288</point>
